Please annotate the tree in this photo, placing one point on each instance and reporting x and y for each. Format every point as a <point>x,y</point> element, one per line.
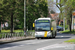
<point>9,7</point>
<point>1,14</point>
<point>8,10</point>
<point>66,7</point>
<point>12,11</point>
<point>35,10</point>
<point>69,7</point>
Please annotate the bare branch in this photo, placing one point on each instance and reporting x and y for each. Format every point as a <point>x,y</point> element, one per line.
<point>57,6</point>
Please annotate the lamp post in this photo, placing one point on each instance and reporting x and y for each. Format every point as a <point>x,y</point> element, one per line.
<point>25,17</point>
<point>64,24</point>
<point>73,14</point>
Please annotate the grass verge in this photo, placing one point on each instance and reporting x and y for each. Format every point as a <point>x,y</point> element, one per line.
<point>71,41</point>
<point>67,31</point>
<point>6,31</point>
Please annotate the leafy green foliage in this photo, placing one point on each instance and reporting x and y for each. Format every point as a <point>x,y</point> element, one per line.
<point>16,7</point>
<point>69,7</point>
<point>35,10</point>
<point>66,8</point>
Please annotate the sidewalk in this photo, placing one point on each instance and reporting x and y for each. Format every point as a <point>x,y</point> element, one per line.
<point>15,39</point>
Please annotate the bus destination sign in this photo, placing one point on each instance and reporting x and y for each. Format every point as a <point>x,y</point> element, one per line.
<point>42,21</point>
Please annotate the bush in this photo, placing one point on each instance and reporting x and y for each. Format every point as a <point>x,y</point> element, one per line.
<point>66,26</point>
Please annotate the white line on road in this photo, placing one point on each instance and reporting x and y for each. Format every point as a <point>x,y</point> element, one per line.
<point>40,41</point>
<point>11,47</point>
<point>27,42</point>
<point>65,46</point>
<point>62,36</point>
<point>5,48</point>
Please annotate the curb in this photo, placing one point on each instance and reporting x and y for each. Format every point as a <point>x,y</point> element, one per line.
<point>15,41</point>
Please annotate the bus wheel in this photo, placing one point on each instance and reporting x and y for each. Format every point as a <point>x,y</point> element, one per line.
<point>41,37</point>
<point>55,33</point>
<point>49,37</point>
<point>37,38</point>
<point>52,35</point>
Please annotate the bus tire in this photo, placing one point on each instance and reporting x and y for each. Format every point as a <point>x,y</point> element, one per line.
<point>55,33</point>
<point>37,37</point>
<point>52,35</point>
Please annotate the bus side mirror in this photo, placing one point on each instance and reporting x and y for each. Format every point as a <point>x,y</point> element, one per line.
<point>33,24</point>
<point>51,28</point>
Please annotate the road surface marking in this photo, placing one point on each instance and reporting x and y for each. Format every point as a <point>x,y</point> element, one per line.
<point>40,41</point>
<point>27,42</point>
<point>6,48</point>
<point>65,46</point>
<point>21,45</point>
<point>62,36</point>
<point>11,47</point>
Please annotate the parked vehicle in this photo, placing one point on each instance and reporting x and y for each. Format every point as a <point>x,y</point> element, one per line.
<point>59,28</point>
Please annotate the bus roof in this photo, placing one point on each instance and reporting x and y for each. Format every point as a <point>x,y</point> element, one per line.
<point>44,19</point>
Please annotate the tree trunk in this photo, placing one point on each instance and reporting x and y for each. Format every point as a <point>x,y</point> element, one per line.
<point>49,14</point>
<point>70,22</point>
<point>11,22</point>
<point>0,26</point>
<point>70,27</point>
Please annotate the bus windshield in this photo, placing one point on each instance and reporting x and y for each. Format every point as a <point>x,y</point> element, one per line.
<point>42,26</point>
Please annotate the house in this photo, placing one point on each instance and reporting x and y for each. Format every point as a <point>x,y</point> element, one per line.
<point>54,16</point>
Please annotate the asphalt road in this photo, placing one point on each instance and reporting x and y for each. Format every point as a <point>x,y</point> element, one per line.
<point>42,44</point>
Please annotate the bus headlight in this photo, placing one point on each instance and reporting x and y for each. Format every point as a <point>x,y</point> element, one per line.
<point>36,33</point>
<point>49,33</point>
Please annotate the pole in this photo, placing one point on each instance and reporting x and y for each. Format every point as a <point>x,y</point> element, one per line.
<point>25,17</point>
<point>64,24</point>
<point>72,22</point>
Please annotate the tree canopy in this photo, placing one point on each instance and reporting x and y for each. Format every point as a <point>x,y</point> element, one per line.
<point>66,8</point>
<point>12,11</point>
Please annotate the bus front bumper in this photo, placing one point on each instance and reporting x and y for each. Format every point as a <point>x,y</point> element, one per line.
<point>42,36</point>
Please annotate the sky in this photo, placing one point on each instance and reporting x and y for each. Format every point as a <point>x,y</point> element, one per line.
<point>52,6</point>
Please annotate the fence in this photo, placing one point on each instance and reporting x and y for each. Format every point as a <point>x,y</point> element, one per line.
<point>19,34</point>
